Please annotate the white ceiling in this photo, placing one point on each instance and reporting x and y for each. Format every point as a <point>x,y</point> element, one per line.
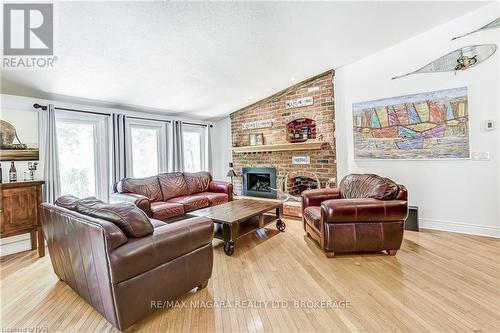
<point>207,59</point>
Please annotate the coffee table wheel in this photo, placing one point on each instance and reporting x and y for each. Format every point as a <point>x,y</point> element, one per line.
<point>280,225</point>
<point>229,248</point>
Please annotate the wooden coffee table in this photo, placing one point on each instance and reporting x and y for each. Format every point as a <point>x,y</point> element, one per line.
<point>237,218</point>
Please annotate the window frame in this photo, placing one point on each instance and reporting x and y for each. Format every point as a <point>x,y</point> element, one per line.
<point>101,144</point>
<point>162,145</point>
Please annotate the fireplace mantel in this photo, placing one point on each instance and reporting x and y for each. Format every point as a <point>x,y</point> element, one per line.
<point>314,145</point>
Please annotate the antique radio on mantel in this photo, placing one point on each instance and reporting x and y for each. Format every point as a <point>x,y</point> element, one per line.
<point>300,130</point>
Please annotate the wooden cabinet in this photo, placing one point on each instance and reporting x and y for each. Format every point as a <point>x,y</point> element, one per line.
<point>19,213</point>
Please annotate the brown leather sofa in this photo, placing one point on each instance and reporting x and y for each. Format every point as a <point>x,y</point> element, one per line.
<point>366,213</point>
<point>120,261</point>
<point>172,195</point>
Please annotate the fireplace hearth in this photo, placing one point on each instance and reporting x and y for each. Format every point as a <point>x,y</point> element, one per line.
<point>259,182</point>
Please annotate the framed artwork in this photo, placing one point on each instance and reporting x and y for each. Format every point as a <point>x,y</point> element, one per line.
<point>431,125</point>
<point>256,139</point>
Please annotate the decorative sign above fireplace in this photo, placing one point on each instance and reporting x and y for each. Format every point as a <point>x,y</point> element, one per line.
<point>301,160</point>
<point>257,124</point>
<point>299,102</point>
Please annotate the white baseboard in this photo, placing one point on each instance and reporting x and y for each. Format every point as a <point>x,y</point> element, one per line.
<point>464,228</point>
<point>15,244</point>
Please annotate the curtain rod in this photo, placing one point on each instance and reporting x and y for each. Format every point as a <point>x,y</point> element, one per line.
<point>195,124</point>
<point>141,118</point>
<point>44,107</point>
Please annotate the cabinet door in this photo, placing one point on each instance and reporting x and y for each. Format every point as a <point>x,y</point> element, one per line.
<point>19,208</point>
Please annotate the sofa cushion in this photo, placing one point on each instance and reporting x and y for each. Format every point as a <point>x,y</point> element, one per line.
<point>214,198</point>
<point>164,210</point>
<point>312,215</point>
<point>197,182</point>
<point>357,186</point>
<point>191,203</point>
<point>128,217</point>
<point>148,187</point>
<point>67,201</point>
<point>172,185</point>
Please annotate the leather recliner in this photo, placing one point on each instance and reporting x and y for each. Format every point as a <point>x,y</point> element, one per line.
<point>366,213</point>
<point>120,261</point>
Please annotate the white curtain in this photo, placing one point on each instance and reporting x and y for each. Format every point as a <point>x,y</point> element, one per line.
<point>177,146</point>
<point>210,167</point>
<point>119,151</point>
<point>49,157</point>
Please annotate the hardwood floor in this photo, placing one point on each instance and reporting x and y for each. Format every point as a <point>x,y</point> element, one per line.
<point>438,282</point>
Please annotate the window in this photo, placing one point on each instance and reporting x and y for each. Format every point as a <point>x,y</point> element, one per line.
<point>194,148</point>
<point>144,144</point>
<point>147,146</point>
<point>83,149</point>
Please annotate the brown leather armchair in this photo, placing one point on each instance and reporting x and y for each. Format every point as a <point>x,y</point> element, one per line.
<point>366,213</point>
<point>120,261</point>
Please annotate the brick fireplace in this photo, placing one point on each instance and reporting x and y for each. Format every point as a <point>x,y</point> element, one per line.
<point>308,102</point>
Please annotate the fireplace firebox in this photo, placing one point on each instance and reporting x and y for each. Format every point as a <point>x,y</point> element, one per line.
<point>259,182</point>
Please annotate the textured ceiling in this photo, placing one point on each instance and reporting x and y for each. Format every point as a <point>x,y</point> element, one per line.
<point>207,59</point>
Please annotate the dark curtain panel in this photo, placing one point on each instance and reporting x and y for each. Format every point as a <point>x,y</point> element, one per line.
<point>119,150</point>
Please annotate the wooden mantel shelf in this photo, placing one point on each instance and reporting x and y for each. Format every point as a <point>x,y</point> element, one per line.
<point>280,147</point>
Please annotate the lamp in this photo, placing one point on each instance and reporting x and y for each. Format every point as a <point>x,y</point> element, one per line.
<point>231,172</point>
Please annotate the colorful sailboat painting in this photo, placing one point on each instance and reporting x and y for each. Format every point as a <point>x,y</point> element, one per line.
<point>431,125</point>
<point>412,143</point>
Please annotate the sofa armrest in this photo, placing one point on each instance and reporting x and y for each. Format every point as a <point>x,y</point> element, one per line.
<point>166,243</point>
<point>139,200</point>
<point>363,210</point>
<point>219,186</point>
<point>317,196</point>
<point>402,193</point>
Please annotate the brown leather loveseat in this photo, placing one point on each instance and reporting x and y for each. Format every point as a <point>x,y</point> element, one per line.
<point>172,195</point>
<point>366,213</point>
<point>120,261</point>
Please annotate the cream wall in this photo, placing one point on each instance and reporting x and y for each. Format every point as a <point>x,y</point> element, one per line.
<point>26,123</point>
<point>221,148</point>
<point>453,195</point>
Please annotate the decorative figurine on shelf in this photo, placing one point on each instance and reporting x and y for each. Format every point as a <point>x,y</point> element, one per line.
<point>12,173</point>
<point>32,169</point>
<point>320,137</point>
